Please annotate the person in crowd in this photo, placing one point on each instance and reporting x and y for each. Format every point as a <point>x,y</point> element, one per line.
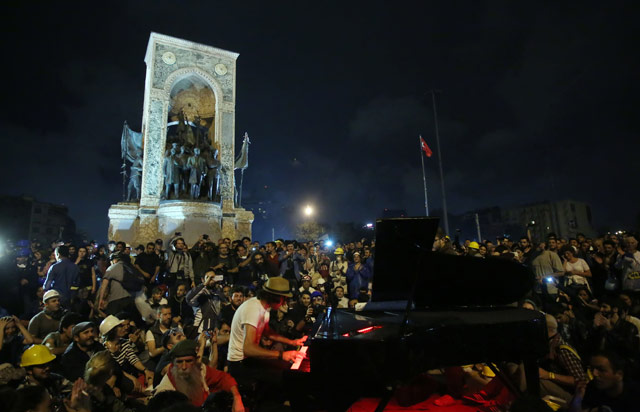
<point>208,298</point>
<point>48,320</point>
<point>149,263</point>
<point>577,271</point>
<point>609,390</point>
<point>225,264</point>
<point>547,266</point>
<point>62,275</point>
<point>113,297</point>
<point>628,263</point>
<point>342,302</point>
<point>59,341</point>
<point>260,271</point>
<point>169,339</point>
<point>155,332</point>
<point>13,337</point>
<point>195,379</point>
<point>306,285</point>
<point>237,298</point>
<point>291,263</point>
<point>613,333</point>
<point>37,361</point>
<point>113,334</point>
<point>338,269</point>
<point>181,311</point>
<point>203,260</point>
<point>562,369</point>
<point>179,264</point>
<point>86,273</point>
<point>84,345</point>
<point>157,298</point>
<point>272,258</point>
<point>358,275</point>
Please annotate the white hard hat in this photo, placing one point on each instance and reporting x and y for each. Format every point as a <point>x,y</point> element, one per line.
<point>50,294</point>
<point>109,323</point>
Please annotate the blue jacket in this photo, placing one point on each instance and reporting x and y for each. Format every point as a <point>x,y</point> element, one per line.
<point>357,279</point>
<point>61,276</point>
<point>298,261</point>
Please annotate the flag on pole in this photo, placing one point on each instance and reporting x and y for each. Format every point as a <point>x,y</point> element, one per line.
<point>425,148</point>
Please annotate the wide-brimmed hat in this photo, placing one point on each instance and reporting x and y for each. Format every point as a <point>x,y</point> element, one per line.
<point>109,323</point>
<point>278,286</point>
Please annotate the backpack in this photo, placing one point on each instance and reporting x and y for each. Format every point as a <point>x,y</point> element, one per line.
<point>132,279</point>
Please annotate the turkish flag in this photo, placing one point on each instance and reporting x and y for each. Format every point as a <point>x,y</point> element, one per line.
<point>425,148</point>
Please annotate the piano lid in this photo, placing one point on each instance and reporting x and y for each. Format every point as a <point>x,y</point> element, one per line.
<point>403,251</point>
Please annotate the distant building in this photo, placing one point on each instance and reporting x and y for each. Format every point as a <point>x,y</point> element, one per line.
<point>565,218</point>
<point>23,217</point>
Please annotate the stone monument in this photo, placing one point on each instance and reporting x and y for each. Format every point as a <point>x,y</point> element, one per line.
<point>189,108</point>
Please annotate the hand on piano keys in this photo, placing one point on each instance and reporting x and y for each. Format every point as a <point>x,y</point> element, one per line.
<point>299,357</point>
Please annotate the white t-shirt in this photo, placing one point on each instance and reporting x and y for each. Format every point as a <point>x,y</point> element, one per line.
<point>250,312</point>
<point>579,266</point>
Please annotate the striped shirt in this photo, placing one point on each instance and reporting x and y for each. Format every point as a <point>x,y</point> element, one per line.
<point>126,354</point>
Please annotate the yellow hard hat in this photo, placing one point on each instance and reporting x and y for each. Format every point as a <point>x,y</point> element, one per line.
<point>338,251</point>
<point>36,355</point>
<point>474,245</point>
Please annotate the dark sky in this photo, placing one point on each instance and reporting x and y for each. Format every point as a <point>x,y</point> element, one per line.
<point>536,103</point>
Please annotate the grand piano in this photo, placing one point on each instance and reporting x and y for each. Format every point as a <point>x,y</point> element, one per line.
<point>428,310</point>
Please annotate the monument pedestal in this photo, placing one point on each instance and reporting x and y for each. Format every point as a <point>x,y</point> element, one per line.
<point>135,225</point>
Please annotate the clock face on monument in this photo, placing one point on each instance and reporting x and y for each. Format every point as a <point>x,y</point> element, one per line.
<point>221,69</point>
<point>169,58</point>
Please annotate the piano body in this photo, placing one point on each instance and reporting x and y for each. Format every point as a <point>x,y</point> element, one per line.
<point>457,316</point>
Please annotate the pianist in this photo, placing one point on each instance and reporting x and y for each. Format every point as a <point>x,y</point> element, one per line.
<point>250,363</point>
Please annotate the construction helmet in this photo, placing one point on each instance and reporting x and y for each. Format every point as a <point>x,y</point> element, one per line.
<point>338,251</point>
<point>474,245</point>
<point>36,355</point>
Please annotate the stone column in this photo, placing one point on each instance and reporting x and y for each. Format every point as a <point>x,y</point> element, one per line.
<point>154,142</point>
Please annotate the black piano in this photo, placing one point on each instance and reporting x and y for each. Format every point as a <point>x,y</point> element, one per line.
<point>428,310</point>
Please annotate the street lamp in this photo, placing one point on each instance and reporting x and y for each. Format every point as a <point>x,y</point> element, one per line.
<point>308,210</point>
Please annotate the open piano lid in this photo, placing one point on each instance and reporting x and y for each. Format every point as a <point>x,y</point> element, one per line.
<point>403,251</point>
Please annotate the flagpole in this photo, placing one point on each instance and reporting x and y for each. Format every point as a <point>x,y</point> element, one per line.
<point>424,178</point>
<point>444,196</point>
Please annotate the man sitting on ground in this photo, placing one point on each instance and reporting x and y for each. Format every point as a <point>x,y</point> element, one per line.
<point>196,380</point>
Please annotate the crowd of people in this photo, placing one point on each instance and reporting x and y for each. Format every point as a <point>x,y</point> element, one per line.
<point>120,328</point>
<point>588,289</point>
<point>111,327</point>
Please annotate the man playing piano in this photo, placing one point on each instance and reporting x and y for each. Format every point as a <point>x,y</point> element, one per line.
<point>248,361</point>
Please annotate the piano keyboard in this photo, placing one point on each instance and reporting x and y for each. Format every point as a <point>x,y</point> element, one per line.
<point>298,362</point>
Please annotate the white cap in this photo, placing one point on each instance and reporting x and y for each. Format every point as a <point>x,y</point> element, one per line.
<point>50,294</point>
<point>109,323</point>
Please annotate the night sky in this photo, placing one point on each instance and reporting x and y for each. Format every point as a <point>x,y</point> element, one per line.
<point>536,103</point>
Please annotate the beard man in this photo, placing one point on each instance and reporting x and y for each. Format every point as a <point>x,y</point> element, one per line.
<point>195,379</point>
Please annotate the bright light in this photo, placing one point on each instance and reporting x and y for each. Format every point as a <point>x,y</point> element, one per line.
<point>369,225</point>
<point>308,210</point>
<point>328,243</point>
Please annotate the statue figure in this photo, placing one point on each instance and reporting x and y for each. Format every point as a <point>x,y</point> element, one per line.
<point>134,179</point>
<point>189,139</point>
<point>171,169</point>
<point>182,127</point>
<point>197,169</point>
<point>213,176</point>
<point>184,170</point>
<point>174,146</point>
